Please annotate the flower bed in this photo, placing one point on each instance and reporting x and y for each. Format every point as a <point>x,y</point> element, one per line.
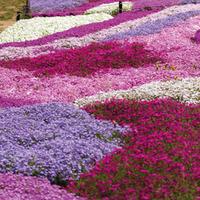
<point>161,157</point>
<point>42,7</point>
<point>82,30</point>
<point>135,25</point>
<point>138,5</point>
<point>94,115</point>
<point>185,90</point>
<point>15,187</point>
<point>34,139</point>
<point>110,8</point>
<point>87,60</point>
<point>29,29</point>
<point>152,27</point>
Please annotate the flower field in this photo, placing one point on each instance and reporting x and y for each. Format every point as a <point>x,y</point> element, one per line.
<point>97,104</point>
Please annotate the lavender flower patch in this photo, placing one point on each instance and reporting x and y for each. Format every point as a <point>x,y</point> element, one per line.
<point>152,27</point>
<point>190,1</point>
<point>54,140</point>
<point>42,6</point>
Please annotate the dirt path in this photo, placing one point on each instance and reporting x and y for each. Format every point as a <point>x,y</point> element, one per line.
<point>7,23</point>
<point>8,9</point>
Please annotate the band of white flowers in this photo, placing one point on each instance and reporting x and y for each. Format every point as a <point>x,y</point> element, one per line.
<point>185,90</point>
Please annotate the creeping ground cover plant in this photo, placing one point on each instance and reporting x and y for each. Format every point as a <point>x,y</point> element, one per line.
<point>138,25</point>
<point>38,27</point>
<point>101,105</point>
<point>185,90</point>
<point>15,187</point>
<point>87,60</point>
<point>54,140</point>
<point>110,8</point>
<point>43,7</point>
<point>175,17</point>
<point>160,159</point>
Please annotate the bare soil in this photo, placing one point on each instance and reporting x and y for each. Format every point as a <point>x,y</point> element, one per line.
<point>7,23</point>
<point>8,10</point>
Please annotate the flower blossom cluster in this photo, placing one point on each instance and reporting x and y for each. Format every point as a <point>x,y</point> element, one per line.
<point>111,8</point>
<point>43,7</point>
<point>185,90</point>
<point>54,140</point>
<point>84,29</point>
<point>105,105</point>
<point>37,27</point>
<point>160,159</point>
<point>85,61</point>
<point>178,13</point>
<point>15,187</point>
<point>138,5</point>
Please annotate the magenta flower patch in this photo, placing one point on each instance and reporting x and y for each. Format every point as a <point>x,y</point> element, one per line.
<point>87,60</point>
<point>196,37</point>
<point>160,159</point>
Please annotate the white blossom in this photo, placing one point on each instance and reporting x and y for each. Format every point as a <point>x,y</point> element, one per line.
<point>37,27</point>
<point>185,90</point>
<point>110,8</point>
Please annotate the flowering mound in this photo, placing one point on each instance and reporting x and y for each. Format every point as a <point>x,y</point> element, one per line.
<point>160,159</point>
<point>30,29</point>
<point>18,187</point>
<point>138,26</point>
<point>43,7</point>
<point>110,8</point>
<point>138,5</point>
<point>185,90</point>
<point>154,26</point>
<point>128,141</point>
<point>196,37</point>
<point>80,30</point>
<point>87,60</point>
<point>11,102</point>
<point>57,141</point>
<point>190,1</point>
